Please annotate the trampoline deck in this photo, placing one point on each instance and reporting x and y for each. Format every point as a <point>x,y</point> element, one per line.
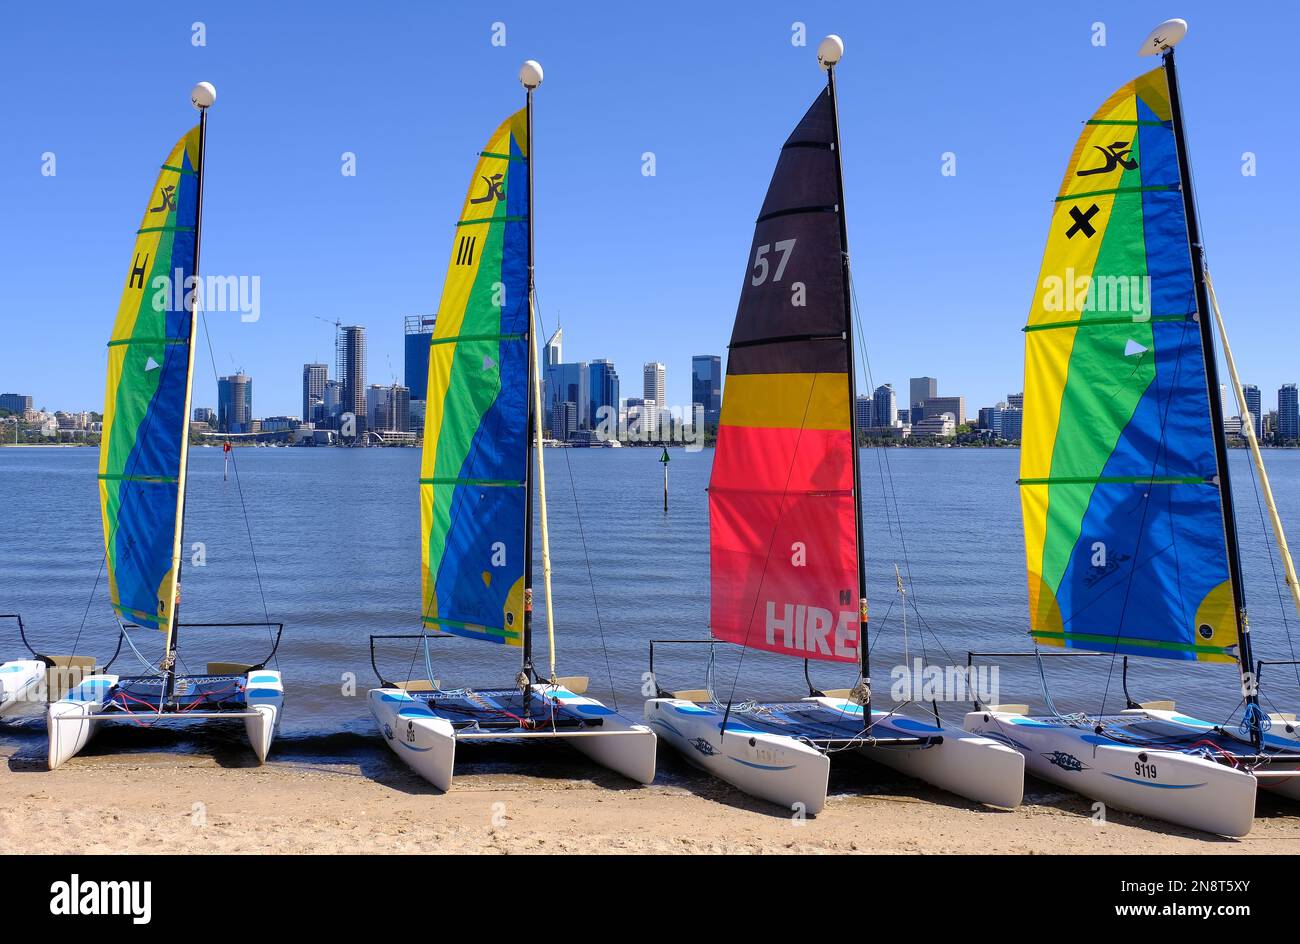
<point>505,710</point>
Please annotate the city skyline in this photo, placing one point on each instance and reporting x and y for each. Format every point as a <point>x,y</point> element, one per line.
<point>370,247</point>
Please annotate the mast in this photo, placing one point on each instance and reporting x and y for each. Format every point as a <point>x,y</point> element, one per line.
<point>1196,247</point>
<point>828,54</point>
<point>530,75</point>
<point>202,96</point>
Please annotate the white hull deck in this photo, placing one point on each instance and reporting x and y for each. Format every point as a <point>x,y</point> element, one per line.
<point>256,698</point>
<point>1159,763</point>
<point>423,728</point>
<point>20,684</point>
<point>790,768</point>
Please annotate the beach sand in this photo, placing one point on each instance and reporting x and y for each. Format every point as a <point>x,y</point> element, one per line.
<point>145,791</point>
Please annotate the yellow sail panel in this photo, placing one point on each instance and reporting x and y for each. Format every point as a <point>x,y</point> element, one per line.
<point>473,470</point>
<point>140,457</point>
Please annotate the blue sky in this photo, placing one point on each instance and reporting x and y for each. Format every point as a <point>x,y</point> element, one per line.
<point>636,268</point>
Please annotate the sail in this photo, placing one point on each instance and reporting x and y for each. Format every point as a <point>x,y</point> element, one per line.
<point>783,551</point>
<point>144,426</point>
<point>473,472</point>
<point>1124,524</point>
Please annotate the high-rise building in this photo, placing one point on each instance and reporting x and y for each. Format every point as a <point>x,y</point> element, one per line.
<point>921,389</point>
<point>17,403</point>
<point>235,403</point>
<point>564,420</point>
<point>388,408</point>
<point>352,372</point>
<point>554,351</point>
<point>1016,401</point>
<point>1254,407</point>
<point>205,414</point>
<point>706,386</point>
<point>935,406</point>
<point>569,383</point>
<point>654,376</point>
<point>313,390</point>
<point>1288,414</point>
<point>333,401</point>
<point>885,406</point>
<point>603,396</point>
<point>864,412</point>
<point>416,353</point>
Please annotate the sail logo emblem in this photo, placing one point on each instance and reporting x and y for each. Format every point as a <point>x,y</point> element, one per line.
<point>1065,761</point>
<point>1082,221</point>
<point>465,250</point>
<point>494,189</point>
<point>703,746</point>
<point>166,200</point>
<point>1116,154</point>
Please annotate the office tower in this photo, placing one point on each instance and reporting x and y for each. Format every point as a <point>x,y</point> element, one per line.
<point>1012,423</point>
<point>352,372</point>
<point>864,411</point>
<point>569,383</point>
<point>313,389</point>
<point>564,420</point>
<point>706,386</point>
<point>333,400</point>
<point>886,405</point>
<point>603,395</point>
<point>554,351</point>
<point>1254,407</point>
<point>388,408</point>
<point>921,389</point>
<point>654,376</point>
<point>205,414</point>
<point>16,403</point>
<point>416,353</point>
<point>1288,414</point>
<point>936,406</point>
<point>1016,401</point>
<point>234,403</point>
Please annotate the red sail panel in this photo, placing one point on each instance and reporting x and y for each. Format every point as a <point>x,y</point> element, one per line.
<point>781,511</point>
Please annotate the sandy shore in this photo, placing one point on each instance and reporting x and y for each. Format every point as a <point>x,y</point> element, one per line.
<point>138,793</point>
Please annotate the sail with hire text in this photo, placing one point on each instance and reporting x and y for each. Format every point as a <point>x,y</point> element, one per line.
<point>783,548</point>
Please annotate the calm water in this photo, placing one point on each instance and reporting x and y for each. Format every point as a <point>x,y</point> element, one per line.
<point>336,538</point>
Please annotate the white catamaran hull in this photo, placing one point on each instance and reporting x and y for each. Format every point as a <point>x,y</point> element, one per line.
<point>786,771</point>
<point>1179,788</point>
<point>772,767</point>
<point>74,718</point>
<point>969,765</point>
<point>427,742</point>
<point>20,684</point>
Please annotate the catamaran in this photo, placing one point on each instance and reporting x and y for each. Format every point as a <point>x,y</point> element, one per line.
<point>476,495</point>
<point>785,515</point>
<point>143,464</point>
<point>21,679</point>
<point>1130,533</point>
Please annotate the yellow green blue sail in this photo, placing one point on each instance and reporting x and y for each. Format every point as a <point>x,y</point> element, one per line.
<point>144,428</point>
<point>473,473</point>
<point>1124,524</point>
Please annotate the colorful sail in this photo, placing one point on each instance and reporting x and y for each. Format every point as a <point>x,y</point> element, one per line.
<point>473,474</point>
<point>781,509</point>
<point>1124,525</point>
<point>144,428</point>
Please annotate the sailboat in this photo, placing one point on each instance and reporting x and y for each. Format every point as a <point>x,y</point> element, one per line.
<point>25,683</point>
<point>785,515</point>
<point>482,457</point>
<point>143,464</point>
<point>1130,532</point>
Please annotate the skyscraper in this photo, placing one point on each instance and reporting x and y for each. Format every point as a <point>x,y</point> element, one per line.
<point>1288,414</point>
<point>864,411</point>
<point>885,406</point>
<point>234,403</point>
<point>388,408</point>
<point>654,378</point>
<point>569,383</point>
<point>921,389</point>
<point>554,352</point>
<point>313,391</point>
<point>1253,406</point>
<point>352,372</point>
<point>18,403</point>
<point>936,406</point>
<point>706,386</point>
<point>603,394</point>
<point>416,353</point>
